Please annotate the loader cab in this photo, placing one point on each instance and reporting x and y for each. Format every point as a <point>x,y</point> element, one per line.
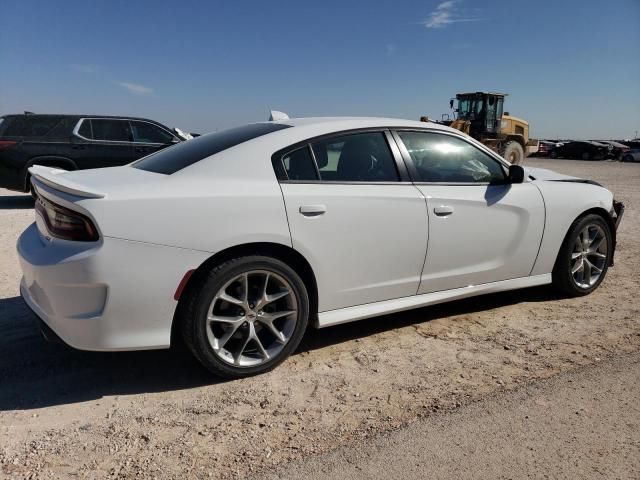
<point>483,110</point>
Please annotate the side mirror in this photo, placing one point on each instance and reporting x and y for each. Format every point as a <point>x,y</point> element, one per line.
<point>451,104</point>
<point>516,174</point>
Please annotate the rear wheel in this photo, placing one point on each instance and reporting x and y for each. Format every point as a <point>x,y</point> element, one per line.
<point>246,317</point>
<point>553,154</point>
<point>627,158</point>
<point>513,153</point>
<point>584,256</point>
<point>586,156</point>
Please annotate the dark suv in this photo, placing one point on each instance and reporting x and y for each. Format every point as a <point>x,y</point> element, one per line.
<point>75,142</point>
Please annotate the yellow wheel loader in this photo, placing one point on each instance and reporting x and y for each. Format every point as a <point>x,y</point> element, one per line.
<point>480,115</point>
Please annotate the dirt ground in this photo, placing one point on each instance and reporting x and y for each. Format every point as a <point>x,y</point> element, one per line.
<point>65,413</point>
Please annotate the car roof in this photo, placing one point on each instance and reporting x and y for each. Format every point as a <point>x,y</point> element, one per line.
<point>78,116</point>
<point>346,123</point>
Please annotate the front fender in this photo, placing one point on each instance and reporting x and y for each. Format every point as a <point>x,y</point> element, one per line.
<point>564,202</point>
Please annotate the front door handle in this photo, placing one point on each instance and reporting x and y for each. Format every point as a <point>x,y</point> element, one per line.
<point>443,210</point>
<point>141,149</point>
<point>313,210</point>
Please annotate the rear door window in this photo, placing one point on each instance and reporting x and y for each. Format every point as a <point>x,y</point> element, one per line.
<point>111,130</point>
<point>181,155</point>
<point>358,157</point>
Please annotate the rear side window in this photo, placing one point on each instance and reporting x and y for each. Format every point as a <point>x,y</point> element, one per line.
<point>29,125</point>
<point>359,157</point>
<point>180,156</point>
<point>111,130</point>
<point>299,165</point>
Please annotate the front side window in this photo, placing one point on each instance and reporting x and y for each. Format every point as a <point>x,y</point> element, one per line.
<point>111,130</point>
<point>144,132</point>
<point>358,157</point>
<point>447,159</point>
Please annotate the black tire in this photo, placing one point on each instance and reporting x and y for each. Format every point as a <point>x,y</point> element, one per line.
<point>563,279</point>
<point>586,156</point>
<point>553,154</point>
<point>627,158</point>
<point>193,314</point>
<point>513,153</point>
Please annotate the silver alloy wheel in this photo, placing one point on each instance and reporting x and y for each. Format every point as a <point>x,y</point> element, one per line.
<point>589,256</point>
<point>251,318</point>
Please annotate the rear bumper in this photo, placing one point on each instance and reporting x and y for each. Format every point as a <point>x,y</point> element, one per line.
<point>108,295</point>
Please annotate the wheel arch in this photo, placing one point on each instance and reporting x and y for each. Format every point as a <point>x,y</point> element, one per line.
<point>284,253</point>
<point>597,211</point>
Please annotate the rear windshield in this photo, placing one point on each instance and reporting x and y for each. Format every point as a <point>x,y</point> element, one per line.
<point>31,125</point>
<point>175,158</point>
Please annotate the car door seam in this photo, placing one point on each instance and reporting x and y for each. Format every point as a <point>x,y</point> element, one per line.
<point>426,250</point>
<point>286,214</point>
<point>544,227</point>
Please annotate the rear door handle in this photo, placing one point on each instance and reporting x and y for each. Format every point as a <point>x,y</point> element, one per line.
<point>313,210</point>
<point>443,210</point>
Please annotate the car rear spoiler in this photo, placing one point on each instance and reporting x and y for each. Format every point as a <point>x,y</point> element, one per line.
<point>52,178</point>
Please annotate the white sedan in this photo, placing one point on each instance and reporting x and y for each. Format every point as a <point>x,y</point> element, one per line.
<point>237,241</point>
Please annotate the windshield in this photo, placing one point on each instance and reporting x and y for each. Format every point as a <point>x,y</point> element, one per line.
<point>470,108</point>
<point>180,156</point>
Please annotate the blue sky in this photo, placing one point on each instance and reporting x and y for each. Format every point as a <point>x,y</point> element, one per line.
<point>572,68</point>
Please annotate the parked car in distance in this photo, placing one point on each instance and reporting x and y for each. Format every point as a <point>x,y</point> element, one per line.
<point>633,155</point>
<point>545,147</point>
<point>617,150</point>
<point>241,239</point>
<point>584,150</point>
<point>75,142</point>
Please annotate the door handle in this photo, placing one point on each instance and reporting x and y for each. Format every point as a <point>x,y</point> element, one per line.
<point>141,149</point>
<point>78,147</point>
<point>313,210</point>
<point>443,210</point>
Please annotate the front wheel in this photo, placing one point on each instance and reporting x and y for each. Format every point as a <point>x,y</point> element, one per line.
<point>247,316</point>
<point>584,257</point>
<point>513,153</point>
<point>627,158</point>
<point>586,156</point>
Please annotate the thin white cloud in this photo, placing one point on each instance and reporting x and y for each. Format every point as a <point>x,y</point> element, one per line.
<point>136,88</point>
<point>390,48</point>
<point>447,13</point>
<point>85,68</point>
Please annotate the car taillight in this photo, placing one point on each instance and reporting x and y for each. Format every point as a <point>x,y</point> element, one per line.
<point>65,223</point>
<point>6,144</point>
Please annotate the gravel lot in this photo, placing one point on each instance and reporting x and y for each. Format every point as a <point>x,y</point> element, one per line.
<point>158,414</point>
